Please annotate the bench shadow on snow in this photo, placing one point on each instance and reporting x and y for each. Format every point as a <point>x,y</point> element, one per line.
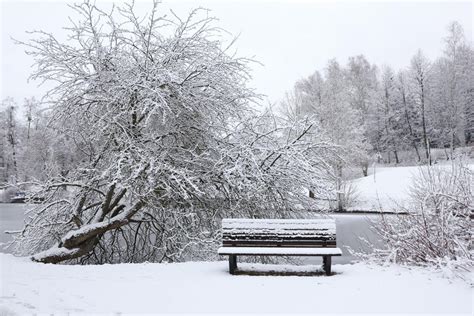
<point>261,269</point>
<point>283,273</point>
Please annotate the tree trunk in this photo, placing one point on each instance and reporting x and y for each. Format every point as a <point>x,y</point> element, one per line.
<point>397,161</point>
<point>428,152</point>
<point>340,204</point>
<point>365,169</point>
<point>452,144</point>
<point>410,129</point>
<point>12,140</point>
<point>340,201</point>
<point>423,122</point>
<point>81,241</point>
<point>416,150</point>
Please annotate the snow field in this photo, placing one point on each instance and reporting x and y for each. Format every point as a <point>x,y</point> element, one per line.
<point>386,188</point>
<point>206,287</point>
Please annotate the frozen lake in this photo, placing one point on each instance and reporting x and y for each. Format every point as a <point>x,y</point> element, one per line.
<point>11,219</point>
<point>350,227</point>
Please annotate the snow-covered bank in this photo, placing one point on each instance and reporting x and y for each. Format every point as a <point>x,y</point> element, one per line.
<point>386,188</point>
<point>28,287</point>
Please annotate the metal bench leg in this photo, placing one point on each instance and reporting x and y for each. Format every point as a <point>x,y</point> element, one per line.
<point>327,264</point>
<point>232,264</point>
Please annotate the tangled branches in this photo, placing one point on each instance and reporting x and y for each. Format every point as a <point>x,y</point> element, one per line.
<point>438,230</point>
<point>165,142</point>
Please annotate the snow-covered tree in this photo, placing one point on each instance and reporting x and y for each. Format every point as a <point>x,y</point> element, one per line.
<point>391,115</point>
<point>163,141</point>
<point>410,120</point>
<point>10,139</point>
<point>327,101</point>
<point>452,81</point>
<point>362,77</point>
<point>362,85</point>
<point>420,78</point>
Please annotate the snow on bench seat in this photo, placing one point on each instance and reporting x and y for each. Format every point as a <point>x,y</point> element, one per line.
<point>279,251</point>
<point>279,225</point>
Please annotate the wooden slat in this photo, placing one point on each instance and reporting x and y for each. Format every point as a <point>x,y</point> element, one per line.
<point>288,233</point>
<point>278,251</point>
<point>277,244</point>
<point>278,237</point>
<point>273,235</point>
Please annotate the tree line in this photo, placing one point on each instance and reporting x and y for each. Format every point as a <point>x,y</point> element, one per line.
<point>379,112</point>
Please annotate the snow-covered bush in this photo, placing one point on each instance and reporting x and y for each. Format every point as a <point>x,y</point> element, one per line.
<point>438,227</point>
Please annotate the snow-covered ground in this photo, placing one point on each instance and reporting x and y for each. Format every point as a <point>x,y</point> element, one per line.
<point>386,188</point>
<point>206,287</point>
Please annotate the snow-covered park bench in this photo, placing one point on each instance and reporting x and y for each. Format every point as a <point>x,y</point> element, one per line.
<point>279,237</point>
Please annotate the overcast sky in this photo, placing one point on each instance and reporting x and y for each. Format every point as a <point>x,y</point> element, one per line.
<point>291,38</point>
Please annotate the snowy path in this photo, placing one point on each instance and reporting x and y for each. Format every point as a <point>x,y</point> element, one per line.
<point>27,287</point>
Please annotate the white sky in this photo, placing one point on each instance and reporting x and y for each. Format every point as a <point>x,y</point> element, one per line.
<point>291,38</point>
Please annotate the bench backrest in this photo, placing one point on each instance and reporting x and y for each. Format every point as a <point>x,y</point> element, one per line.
<point>278,233</point>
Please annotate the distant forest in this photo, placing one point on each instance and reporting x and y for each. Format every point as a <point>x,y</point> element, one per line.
<point>378,112</point>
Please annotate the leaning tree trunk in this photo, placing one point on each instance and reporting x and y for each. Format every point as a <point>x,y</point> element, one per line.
<point>81,241</point>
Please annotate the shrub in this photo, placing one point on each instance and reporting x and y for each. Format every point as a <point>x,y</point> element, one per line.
<point>437,229</point>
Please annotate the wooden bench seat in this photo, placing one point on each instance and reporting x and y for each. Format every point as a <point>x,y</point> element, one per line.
<point>279,237</point>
